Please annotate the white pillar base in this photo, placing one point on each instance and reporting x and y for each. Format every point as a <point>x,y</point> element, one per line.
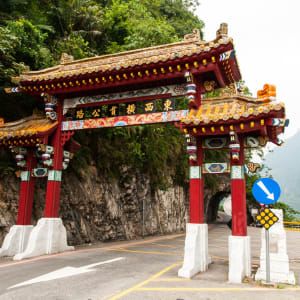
<point>16,240</point>
<point>47,237</point>
<point>239,258</point>
<point>279,269</point>
<point>196,258</point>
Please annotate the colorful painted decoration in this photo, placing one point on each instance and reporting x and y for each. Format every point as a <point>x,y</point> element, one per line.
<point>149,106</point>
<point>172,90</point>
<point>161,117</point>
<point>39,172</point>
<point>216,168</point>
<point>263,140</point>
<point>252,167</point>
<point>209,85</point>
<point>168,104</point>
<point>227,55</point>
<point>234,146</point>
<point>13,90</point>
<point>278,122</point>
<point>252,142</point>
<point>215,143</point>
<point>50,103</point>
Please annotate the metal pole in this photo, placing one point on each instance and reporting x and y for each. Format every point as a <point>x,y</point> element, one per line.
<point>143,230</point>
<point>267,256</point>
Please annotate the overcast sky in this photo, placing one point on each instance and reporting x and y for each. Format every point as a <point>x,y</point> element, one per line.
<point>266,35</point>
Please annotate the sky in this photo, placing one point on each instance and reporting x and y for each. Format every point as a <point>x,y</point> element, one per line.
<point>266,36</point>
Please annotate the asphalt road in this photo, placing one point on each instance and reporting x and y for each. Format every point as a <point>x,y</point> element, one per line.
<point>144,269</point>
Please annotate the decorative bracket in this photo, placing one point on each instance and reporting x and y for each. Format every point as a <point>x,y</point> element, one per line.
<point>65,136</point>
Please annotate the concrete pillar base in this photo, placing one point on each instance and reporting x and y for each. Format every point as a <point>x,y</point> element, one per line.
<point>239,258</point>
<point>47,237</point>
<point>16,240</point>
<point>196,258</point>
<point>279,269</point>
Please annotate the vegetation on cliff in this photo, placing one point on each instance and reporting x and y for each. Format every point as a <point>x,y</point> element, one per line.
<point>35,33</point>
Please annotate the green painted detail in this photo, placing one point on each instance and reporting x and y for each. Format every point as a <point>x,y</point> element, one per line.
<point>25,175</point>
<point>237,172</point>
<point>54,175</point>
<point>195,172</point>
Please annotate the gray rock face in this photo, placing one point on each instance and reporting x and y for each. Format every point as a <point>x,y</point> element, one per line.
<point>97,209</point>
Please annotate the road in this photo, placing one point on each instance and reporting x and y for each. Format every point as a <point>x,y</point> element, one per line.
<point>144,269</point>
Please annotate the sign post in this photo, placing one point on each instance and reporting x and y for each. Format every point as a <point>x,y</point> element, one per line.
<point>266,191</point>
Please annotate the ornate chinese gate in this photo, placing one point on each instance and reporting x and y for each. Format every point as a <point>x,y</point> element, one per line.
<point>134,88</point>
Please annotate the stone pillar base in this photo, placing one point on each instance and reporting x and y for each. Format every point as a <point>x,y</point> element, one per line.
<point>47,237</point>
<point>279,269</point>
<point>239,258</point>
<point>196,258</point>
<point>16,240</point>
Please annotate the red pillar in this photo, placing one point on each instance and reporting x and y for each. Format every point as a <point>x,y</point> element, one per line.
<point>238,195</point>
<point>54,175</point>
<point>26,191</point>
<point>196,187</point>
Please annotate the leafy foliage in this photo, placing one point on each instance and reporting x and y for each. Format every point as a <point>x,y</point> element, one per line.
<point>35,33</point>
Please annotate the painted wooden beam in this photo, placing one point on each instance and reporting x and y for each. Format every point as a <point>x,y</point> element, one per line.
<point>142,119</point>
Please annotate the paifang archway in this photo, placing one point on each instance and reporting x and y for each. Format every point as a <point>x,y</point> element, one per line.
<point>122,90</point>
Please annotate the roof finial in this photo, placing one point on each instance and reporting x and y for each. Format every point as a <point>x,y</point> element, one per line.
<point>66,58</point>
<point>222,31</point>
<point>193,37</point>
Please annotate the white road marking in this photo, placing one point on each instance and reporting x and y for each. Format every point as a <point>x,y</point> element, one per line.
<point>64,272</point>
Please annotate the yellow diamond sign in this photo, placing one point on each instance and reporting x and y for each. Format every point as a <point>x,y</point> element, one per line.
<point>266,218</point>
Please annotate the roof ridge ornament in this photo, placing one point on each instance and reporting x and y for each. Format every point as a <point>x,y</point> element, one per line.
<point>222,31</point>
<point>193,37</point>
<point>66,58</point>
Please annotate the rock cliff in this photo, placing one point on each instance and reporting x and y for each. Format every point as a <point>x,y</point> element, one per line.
<point>96,209</point>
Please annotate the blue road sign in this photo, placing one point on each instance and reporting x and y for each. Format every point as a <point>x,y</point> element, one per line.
<point>266,190</point>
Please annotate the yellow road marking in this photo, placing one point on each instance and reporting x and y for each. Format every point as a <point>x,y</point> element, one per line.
<point>217,246</point>
<point>216,289</point>
<point>145,282</point>
<point>171,279</point>
<point>146,252</point>
<point>162,245</point>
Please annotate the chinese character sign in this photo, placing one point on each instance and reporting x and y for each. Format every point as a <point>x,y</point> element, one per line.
<point>131,108</point>
<point>149,106</point>
<point>113,110</point>
<point>168,104</point>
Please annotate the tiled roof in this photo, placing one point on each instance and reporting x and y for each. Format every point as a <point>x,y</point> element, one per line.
<point>191,45</point>
<point>32,126</point>
<point>223,109</point>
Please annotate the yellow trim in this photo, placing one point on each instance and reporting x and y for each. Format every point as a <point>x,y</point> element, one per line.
<point>199,112</point>
<point>216,289</point>
<point>286,222</point>
<point>190,113</point>
<point>145,252</point>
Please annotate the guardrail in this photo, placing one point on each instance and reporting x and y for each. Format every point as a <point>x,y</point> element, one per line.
<point>295,226</point>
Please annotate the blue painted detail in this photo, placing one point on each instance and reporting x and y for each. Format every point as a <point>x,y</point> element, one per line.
<point>287,122</point>
<point>227,55</point>
<point>266,191</point>
<point>120,123</point>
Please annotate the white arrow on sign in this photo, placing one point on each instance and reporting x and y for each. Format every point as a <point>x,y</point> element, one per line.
<point>264,188</point>
<point>64,272</point>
